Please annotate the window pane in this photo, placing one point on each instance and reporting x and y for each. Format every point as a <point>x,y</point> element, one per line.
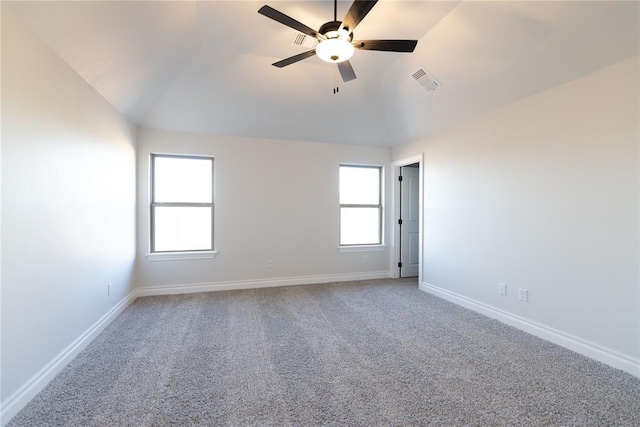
<point>359,226</point>
<point>182,228</point>
<point>183,180</point>
<point>359,185</point>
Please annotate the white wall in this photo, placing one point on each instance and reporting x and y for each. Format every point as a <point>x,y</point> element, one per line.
<point>543,194</point>
<point>274,200</point>
<point>68,210</point>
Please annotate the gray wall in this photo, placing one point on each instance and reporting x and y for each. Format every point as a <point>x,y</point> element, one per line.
<point>274,200</point>
<point>68,206</point>
<point>543,194</point>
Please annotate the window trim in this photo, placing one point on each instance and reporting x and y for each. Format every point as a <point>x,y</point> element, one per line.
<point>154,255</point>
<point>355,247</point>
<point>362,248</point>
<point>172,256</point>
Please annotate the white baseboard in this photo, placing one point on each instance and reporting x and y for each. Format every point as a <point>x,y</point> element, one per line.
<point>18,400</point>
<point>594,351</point>
<point>259,283</point>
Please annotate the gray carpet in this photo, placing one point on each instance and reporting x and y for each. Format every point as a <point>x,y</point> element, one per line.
<point>358,354</point>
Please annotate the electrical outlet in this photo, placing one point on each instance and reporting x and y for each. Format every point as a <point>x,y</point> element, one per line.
<point>502,289</point>
<point>108,288</point>
<point>365,259</point>
<point>270,263</point>
<point>524,295</point>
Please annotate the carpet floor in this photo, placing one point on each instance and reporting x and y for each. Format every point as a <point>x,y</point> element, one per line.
<point>367,353</point>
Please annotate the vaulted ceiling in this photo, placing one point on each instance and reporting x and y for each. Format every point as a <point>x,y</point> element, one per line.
<point>206,66</point>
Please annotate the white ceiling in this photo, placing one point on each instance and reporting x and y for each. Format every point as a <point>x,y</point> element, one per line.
<point>206,66</point>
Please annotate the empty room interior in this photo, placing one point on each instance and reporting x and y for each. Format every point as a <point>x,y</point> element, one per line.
<point>320,213</point>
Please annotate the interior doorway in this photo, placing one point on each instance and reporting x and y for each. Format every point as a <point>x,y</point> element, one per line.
<point>407,221</point>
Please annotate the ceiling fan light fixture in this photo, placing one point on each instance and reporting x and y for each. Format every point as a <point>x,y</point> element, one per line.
<point>335,50</point>
<point>335,38</point>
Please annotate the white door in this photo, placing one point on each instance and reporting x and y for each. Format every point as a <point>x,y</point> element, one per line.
<point>410,220</point>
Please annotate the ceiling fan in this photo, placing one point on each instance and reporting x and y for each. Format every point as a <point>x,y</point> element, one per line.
<point>335,38</point>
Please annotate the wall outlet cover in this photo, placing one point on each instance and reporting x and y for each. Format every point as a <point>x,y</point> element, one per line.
<point>524,295</point>
<point>502,289</point>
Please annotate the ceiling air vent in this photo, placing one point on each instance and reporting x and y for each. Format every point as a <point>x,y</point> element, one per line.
<point>304,41</point>
<point>425,80</point>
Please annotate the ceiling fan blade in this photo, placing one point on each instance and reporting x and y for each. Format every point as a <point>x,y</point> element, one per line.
<point>346,71</point>
<point>294,59</point>
<point>386,45</point>
<point>280,17</point>
<point>357,12</point>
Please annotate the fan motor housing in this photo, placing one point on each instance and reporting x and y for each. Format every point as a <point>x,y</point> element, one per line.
<point>333,27</point>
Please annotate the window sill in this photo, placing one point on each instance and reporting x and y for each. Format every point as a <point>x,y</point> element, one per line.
<point>171,256</point>
<point>362,248</point>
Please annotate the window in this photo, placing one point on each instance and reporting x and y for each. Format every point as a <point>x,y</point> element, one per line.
<point>360,205</point>
<point>181,203</point>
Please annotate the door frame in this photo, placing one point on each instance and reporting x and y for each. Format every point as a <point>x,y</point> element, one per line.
<point>395,200</point>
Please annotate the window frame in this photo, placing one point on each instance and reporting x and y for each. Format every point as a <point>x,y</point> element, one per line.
<point>349,247</point>
<point>186,253</point>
